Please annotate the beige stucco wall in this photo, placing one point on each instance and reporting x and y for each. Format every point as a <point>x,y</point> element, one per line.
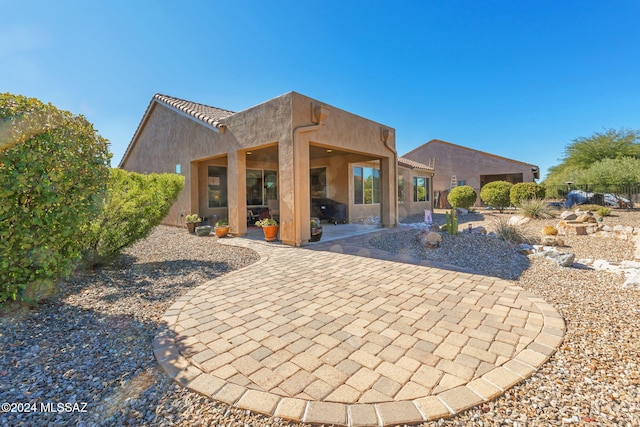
<point>466,164</point>
<point>284,127</point>
<point>168,139</point>
<point>409,207</point>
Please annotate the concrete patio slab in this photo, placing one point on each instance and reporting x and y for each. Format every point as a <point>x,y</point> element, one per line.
<point>339,333</point>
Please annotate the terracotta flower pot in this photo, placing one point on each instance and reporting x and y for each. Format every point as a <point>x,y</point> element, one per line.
<point>222,231</point>
<point>191,226</point>
<point>316,234</point>
<point>270,232</point>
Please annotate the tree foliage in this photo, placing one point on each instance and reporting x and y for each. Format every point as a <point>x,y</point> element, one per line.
<point>585,152</point>
<point>53,172</point>
<point>496,194</point>
<point>610,144</point>
<point>611,173</point>
<point>462,196</point>
<point>133,205</point>
<point>525,191</point>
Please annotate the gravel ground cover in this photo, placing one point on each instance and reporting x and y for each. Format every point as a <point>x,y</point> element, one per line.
<point>93,343</point>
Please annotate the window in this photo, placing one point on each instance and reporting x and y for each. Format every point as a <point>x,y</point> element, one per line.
<point>462,182</point>
<point>217,183</point>
<point>318,182</point>
<point>400,189</point>
<point>262,185</point>
<point>420,189</point>
<point>366,185</point>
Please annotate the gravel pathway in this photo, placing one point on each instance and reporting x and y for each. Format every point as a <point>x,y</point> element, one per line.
<point>93,344</point>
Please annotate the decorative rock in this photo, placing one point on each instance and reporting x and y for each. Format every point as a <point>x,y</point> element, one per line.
<point>563,228</point>
<point>525,249</point>
<point>518,220</point>
<point>633,281</point>
<point>552,241</point>
<point>568,215</point>
<point>203,230</point>
<point>564,259</point>
<point>461,211</point>
<point>479,230</point>
<point>586,217</point>
<point>581,230</point>
<point>431,239</point>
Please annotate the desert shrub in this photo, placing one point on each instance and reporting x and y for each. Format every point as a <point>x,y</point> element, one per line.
<point>462,197</point>
<point>509,232</point>
<point>496,194</point>
<point>602,211</point>
<point>535,208</point>
<point>589,207</point>
<point>525,191</point>
<point>133,205</point>
<point>549,230</point>
<point>53,172</point>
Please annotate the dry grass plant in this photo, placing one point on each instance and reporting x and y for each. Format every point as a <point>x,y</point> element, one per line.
<point>536,208</point>
<point>509,232</point>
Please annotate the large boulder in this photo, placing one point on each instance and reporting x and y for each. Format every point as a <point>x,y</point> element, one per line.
<point>568,216</point>
<point>563,259</point>
<point>518,220</point>
<point>431,239</point>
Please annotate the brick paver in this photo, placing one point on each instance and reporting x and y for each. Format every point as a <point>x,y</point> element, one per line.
<point>325,337</point>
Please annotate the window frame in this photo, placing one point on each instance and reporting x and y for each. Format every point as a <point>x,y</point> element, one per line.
<point>426,186</point>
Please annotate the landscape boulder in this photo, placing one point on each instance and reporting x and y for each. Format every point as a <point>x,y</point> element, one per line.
<point>563,259</point>
<point>430,239</point>
<point>518,220</point>
<point>568,216</point>
<point>552,241</point>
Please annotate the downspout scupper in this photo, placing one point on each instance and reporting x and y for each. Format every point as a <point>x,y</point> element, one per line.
<point>318,117</point>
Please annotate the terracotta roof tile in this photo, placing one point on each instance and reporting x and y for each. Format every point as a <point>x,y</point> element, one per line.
<point>402,161</point>
<point>204,113</point>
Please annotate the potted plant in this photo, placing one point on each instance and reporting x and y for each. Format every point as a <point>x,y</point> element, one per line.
<point>269,228</point>
<point>222,228</point>
<point>192,220</point>
<point>316,230</point>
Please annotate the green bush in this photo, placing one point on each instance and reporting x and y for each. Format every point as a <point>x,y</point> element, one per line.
<point>496,194</point>
<point>134,204</point>
<point>602,211</point>
<point>53,172</point>
<point>462,197</point>
<point>525,191</point>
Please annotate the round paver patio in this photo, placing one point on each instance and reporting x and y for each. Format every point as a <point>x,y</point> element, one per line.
<point>330,338</point>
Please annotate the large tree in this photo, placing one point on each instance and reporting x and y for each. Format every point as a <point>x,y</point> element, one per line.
<point>584,152</point>
<point>610,144</point>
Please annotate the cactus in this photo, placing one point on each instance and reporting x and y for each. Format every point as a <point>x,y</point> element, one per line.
<point>451,222</point>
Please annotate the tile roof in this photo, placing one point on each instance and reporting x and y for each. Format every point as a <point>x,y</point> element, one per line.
<point>204,113</point>
<point>462,147</point>
<point>411,164</point>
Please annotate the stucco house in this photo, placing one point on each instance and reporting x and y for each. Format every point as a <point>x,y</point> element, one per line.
<point>288,154</point>
<point>459,165</point>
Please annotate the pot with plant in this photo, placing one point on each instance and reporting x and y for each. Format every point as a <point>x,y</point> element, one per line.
<point>316,230</point>
<point>192,220</point>
<point>269,228</point>
<point>222,228</point>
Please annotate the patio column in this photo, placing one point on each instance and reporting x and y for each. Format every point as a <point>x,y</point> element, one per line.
<point>236,192</point>
<point>388,188</point>
<point>294,191</point>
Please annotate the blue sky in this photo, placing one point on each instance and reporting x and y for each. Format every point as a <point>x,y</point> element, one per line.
<point>520,79</point>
